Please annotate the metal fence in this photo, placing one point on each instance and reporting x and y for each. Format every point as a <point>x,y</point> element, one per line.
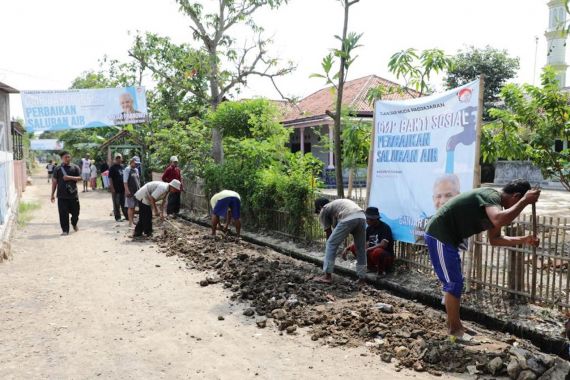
<point>509,270</point>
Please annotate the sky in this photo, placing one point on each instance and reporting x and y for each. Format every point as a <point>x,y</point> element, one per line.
<point>46,44</point>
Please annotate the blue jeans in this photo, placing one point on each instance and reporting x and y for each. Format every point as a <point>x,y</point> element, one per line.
<point>356,227</point>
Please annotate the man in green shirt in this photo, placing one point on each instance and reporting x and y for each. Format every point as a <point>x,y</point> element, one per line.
<point>465,215</point>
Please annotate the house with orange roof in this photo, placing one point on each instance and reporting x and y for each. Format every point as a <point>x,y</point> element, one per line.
<point>310,121</point>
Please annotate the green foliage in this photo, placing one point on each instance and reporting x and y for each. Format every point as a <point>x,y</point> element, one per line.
<point>269,179</point>
<point>417,68</point>
<point>25,210</point>
<point>348,45</point>
<point>496,65</point>
<point>255,118</point>
<point>356,136</point>
<point>532,119</point>
<point>189,141</point>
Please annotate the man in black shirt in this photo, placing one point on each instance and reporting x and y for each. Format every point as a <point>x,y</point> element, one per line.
<point>380,243</point>
<point>65,181</point>
<point>117,188</point>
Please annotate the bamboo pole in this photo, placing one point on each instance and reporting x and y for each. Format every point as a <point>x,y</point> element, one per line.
<point>473,254</point>
<point>371,156</point>
<point>534,258</point>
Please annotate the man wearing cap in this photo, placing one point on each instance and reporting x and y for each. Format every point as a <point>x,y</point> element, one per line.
<point>380,250</point>
<point>171,172</point>
<point>131,181</point>
<point>117,188</point>
<point>347,218</point>
<point>226,204</point>
<point>147,197</point>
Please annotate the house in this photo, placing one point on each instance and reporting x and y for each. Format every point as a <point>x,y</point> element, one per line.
<point>20,171</point>
<point>310,121</point>
<point>8,193</point>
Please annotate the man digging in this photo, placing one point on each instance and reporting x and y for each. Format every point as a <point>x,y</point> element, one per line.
<point>465,215</point>
<point>346,217</point>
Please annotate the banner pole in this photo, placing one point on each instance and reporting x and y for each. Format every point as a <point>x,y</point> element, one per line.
<point>473,259</point>
<point>370,156</point>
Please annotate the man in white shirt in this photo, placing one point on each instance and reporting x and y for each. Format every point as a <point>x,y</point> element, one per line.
<point>147,197</point>
<point>226,204</point>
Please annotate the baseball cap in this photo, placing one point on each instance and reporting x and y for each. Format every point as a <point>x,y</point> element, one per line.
<point>173,159</point>
<point>137,159</point>
<point>118,155</point>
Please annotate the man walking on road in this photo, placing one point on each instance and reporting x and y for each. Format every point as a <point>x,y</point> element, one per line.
<point>65,181</point>
<point>132,184</point>
<point>147,197</point>
<point>465,215</point>
<point>346,217</point>
<point>171,172</point>
<point>117,188</point>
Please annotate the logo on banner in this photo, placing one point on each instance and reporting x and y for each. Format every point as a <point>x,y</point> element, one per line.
<point>464,95</point>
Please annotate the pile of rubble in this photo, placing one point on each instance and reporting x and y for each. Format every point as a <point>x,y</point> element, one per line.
<point>280,293</point>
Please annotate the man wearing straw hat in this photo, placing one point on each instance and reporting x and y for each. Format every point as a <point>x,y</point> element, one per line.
<point>147,197</point>
<point>467,214</point>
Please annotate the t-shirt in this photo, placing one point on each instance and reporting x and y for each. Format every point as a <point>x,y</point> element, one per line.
<point>85,165</point>
<point>131,178</point>
<point>93,171</point>
<point>339,210</point>
<point>50,167</point>
<point>375,234</point>
<point>155,189</point>
<point>66,189</point>
<point>116,175</point>
<point>223,194</point>
<point>463,216</point>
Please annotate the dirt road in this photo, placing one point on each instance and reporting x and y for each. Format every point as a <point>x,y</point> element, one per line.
<point>96,305</point>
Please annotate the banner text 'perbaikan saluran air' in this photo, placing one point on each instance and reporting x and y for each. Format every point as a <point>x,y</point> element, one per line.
<point>84,108</point>
<point>423,154</point>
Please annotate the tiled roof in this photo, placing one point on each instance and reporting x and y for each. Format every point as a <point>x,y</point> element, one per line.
<point>354,97</point>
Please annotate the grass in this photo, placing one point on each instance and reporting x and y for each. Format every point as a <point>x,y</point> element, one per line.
<point>25,212</point>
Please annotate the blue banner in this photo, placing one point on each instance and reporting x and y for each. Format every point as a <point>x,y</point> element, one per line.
<point>88,108</point>
<point>46,144</point>
<point>424,153</point>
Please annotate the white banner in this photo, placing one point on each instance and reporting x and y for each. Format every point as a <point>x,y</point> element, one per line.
<point>46,144</point>
<point>423,155</point>
<point>89,108</point>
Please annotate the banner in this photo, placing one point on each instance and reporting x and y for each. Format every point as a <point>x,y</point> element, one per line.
<point>89,108</point>
<point>423,154</point>
<point>46,144</point>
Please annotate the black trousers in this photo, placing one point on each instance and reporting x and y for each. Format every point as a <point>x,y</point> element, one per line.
<point>173,205</point>
<point>119,205</point>
<point>144,225</point>
<point>66,207</point>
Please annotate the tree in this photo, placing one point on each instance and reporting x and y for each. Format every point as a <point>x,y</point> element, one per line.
<point>348,42</point>
<point>496,65</point>
<point>212,30</point>
<point>532,119</point>
<point>253,118</point>
<point>355,146</point>
<point>417,68</point>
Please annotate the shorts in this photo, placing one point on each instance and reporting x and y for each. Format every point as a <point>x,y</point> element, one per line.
<point>447,265</point>
<point>222,206</point>
<point>130,202</point>
<point>86,176</point>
